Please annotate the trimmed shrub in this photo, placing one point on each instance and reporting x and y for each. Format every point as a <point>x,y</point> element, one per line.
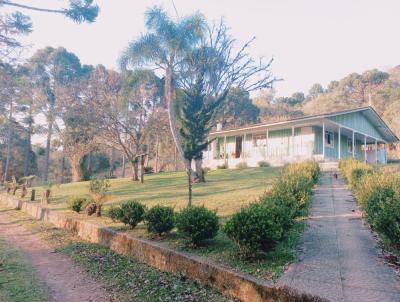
<point>242,165</point>
<point>257,227</point>
<point>160,219</point>
<point>148,170</point>
<point>115,213</point>
<point>197,224</point>
<point>132,213</point>
<point>78,203</point>
<point>263,163</point>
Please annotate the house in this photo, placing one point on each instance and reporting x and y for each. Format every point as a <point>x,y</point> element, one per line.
<point>358,133</point>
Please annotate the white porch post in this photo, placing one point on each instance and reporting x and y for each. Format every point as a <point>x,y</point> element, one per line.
<point>243,145</point>
<point>323,140</point>
<point>353,145</point>
<point>376,152</point>
<point>339,143</point>
<point>365,148</point>
<point>267,144</point>
<point>292,140</point>
<point>224,149</point>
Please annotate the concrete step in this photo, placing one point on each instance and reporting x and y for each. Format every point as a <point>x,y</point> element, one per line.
<point>332,166</point>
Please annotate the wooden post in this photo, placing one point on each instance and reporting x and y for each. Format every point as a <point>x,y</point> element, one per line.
<point>33,194</point>
<point>353,145</point>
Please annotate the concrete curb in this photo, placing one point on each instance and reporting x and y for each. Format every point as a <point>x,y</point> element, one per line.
<point>237,285</point>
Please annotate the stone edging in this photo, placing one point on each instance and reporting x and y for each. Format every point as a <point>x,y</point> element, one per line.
<point>237,285</point>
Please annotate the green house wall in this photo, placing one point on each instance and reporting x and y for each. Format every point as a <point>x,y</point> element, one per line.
<point>357,121</point>
<point>333,152</point>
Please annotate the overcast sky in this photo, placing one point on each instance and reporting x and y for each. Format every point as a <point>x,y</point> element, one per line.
<point>311,40</point>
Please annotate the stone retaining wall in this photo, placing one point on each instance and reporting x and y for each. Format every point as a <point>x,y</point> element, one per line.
<point>240,286</point>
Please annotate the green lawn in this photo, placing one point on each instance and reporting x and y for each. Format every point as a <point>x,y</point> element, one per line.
<point>17,279</point>
<point>225,190</point>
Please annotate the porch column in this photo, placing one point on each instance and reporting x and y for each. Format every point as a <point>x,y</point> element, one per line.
<point>243,145</point>
<point>323,140</point>
<point>353,145</point>
<point>267,144</point>
<point>339,143</point>
<point>292,140</point>
<point>365,148</point>
<point>224,148</point>
<point>376,152</point>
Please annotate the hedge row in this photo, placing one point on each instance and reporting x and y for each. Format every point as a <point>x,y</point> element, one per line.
<point>260,225</point>
<point>256,227</point>
<point>378,193</point>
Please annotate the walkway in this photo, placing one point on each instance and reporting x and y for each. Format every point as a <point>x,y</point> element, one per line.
<point>340,259</point>
<point>66,280</point>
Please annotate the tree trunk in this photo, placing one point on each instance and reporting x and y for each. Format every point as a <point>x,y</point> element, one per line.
<point>189,174</point>
<point>112,160</point>
<point>76,168</point>
<point>169,93</point>
<point>123,165</point>
<point>199,170</point>
<point>135,168</point>
<point>9,142</point>
<point>28,147</point>
<point>62,169</point>
<point>156,163</point>
<point>48,145</point>
<point>142,160</point>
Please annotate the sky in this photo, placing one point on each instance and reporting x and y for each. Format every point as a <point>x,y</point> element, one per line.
<point>310,40</point>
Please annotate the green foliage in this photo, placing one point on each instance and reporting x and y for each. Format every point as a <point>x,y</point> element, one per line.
<point>256,227</point>
<point>148,170</point>
<point>259,226</point>
<point>115,213</point>
<point>160,219</point>
<point>77,203</point>
<point>378,192</point>
<point>196,224</point>
<point>133,212</point>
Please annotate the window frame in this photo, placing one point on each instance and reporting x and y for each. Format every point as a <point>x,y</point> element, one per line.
<point>332,139</point>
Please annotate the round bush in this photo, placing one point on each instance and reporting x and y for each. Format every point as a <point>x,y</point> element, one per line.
<point>132,213</point>
<point>115,213</point>
<point>256,227</point>
<point>197,224</point>
<point>160,219</point>
<point>76,204</point>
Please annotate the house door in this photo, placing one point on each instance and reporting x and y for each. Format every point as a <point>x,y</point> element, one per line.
<point>238,149</point>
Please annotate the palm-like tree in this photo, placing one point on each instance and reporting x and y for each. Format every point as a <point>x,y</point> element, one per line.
<point>164,47</point>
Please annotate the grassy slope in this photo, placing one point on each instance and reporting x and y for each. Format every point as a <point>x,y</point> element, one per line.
<point>225,190</point>
<point>17,279</point>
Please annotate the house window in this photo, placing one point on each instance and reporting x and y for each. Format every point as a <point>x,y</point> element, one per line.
<point>349,145</point>
<point>329,139</point>
<point>259,140</point>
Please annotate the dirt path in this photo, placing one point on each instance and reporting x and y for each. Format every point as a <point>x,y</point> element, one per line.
<point>66,280</point>
<point>340,259</point>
